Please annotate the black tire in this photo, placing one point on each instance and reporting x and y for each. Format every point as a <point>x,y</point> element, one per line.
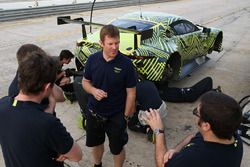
<point>79,65</point>
<point>218,42</point>
<point>172,69</point>
<point>80,93</point>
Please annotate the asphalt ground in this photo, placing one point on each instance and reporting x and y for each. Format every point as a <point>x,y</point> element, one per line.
<point>229,69</point>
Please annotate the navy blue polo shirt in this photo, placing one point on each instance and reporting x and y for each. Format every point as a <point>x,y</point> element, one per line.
<point>30,137</point>
<point>208,154</point>
<point>112,77</point>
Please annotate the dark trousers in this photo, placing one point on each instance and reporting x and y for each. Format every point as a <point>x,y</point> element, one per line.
<point>189,94</point>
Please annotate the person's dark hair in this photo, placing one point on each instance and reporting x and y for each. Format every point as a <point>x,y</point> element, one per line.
<point>222,112</point>
<point>66,54</point>
<point>34,71</point>
<point>109,30</point>
<point>24,49</point>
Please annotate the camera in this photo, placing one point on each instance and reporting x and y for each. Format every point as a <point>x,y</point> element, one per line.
<point>72,72</point>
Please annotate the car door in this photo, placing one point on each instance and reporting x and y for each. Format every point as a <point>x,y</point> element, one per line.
<point>187,39</point>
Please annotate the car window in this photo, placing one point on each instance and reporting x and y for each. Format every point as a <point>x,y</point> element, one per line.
<point>183,27</point>
<point>133,24</point>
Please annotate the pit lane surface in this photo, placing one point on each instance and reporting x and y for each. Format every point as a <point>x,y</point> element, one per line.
<point>230,68</point>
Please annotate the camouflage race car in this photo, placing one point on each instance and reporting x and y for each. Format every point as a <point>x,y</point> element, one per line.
<point>159,44</point>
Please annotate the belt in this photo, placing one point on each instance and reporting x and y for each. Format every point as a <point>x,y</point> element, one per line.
<point>97,116</point>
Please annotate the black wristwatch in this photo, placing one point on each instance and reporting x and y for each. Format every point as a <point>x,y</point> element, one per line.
<point>158,131</point>
<point>126,117</point>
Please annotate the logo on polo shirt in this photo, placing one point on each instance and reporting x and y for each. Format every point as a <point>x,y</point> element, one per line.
<point>117,70</point>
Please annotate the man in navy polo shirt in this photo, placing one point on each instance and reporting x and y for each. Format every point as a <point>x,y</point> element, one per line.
<point>217,117</point>
<point>29,136</point>
<point>110,80</point>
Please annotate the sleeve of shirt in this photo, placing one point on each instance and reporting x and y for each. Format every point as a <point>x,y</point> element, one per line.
<point>178,160</point>
<point>130,76</point>
<point>59,140</point>
<point>187,156</point>
<point>87,69</point>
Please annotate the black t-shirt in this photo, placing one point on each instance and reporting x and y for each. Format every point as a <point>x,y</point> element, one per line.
<point>147,95</point>
<point>112,77</point>
<point>29,137</point>
<point>208,154</point>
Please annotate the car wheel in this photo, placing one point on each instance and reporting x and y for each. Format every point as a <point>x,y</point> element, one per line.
<point>79,65</point>
<point>210,50</point>
<point>172,69</point>
<point>218,43</point>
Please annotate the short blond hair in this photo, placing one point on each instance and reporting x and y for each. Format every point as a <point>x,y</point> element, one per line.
<point>109,30</point>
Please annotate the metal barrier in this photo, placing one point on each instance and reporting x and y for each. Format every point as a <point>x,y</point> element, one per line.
<point>8,15</point>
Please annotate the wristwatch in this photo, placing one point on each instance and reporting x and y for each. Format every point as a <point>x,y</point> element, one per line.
<point>158,131</point>
<point>126,117</point>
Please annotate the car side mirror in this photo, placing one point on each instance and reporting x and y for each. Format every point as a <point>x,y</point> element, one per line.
<point>206,30</point>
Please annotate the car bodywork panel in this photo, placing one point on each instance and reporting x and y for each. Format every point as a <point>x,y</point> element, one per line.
<point>153,52</point>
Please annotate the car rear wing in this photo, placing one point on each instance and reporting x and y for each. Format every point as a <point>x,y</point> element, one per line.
<point>146,34</point>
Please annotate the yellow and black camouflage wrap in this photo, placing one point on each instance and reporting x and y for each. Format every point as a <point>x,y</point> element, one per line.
<point>164,50</point>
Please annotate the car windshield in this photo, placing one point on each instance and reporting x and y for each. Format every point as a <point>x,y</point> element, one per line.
<point>133,24</point>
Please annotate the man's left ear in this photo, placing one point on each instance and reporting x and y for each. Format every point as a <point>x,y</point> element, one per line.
<point>205,126</point>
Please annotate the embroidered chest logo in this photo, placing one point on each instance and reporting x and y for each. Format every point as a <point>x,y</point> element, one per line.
<point>117,70</point>
<point>189,145</point>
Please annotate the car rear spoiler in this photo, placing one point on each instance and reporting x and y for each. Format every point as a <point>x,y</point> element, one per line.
<point>146,34</point>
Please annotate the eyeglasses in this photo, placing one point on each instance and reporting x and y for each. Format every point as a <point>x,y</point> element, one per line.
<point>196,112</point>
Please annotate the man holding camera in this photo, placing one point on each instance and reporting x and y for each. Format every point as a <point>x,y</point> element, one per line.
<point>217,144</point>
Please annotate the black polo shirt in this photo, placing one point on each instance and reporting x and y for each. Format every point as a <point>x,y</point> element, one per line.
<point>29,137</point>
<point>112,77</point>
<point>208,154</point>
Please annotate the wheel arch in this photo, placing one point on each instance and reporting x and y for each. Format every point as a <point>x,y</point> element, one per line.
<point>173,67</point>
